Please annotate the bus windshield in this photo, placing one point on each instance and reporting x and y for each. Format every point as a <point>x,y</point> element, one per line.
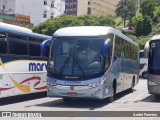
<point>154,57</point>
<point>76,56</point>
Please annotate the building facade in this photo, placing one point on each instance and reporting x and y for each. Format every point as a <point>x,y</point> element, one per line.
<point>16,19</point>
<point>104,7</point>
<point>91,7</point>
<point>38,10</point>
<point>77,7</point>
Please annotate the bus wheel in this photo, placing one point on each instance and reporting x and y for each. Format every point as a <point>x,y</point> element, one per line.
<point>132,87</point>
<point>144,75</point>
<point>113,91</point>
<point>157,96</point>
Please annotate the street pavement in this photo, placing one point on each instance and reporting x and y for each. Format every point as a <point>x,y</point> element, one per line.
<point>139,100</point>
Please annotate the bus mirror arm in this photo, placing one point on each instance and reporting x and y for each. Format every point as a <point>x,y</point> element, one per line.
<point>43,45</point>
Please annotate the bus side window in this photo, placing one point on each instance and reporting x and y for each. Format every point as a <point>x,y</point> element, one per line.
<point>118,47</point>
<point>34,47</point>
<point>111,37</point>
<point>18,44</point>
<point>108,58</point>
<point>3,43</point>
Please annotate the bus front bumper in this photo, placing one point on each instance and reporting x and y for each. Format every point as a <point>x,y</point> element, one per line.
<point>99,92</point>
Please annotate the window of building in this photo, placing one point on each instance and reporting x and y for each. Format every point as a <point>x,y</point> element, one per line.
<point>89,2</point>
<point>89,11</point>
<point>70,12</point>
<point>66,6</point>
<point>45,14</point>
<point>52,4</point>
<point>3,43</point>
<point>18,44</point>
<point>74,6</point>
<point>70,6</point>
<point>45,2</point>
<point>74,12</point>
<point>52,15</point>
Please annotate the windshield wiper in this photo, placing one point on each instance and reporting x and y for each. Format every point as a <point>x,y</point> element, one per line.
<point>65,62</point>
<point>77,61</point>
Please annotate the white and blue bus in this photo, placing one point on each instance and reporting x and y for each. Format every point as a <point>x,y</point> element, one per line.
<point>152,52</point>
<point>91,62</point>
<point>22,69</point>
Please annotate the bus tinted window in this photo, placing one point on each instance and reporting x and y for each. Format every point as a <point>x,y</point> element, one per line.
<point>18,44</point>
<point>117,46</point>
<point>135,55</point>
<point>34,46</point>
<point>141,54</point>
<point>3,43</point>
<point>125,49</point>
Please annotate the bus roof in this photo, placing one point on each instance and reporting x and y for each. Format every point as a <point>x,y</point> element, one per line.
<point>5,26</point>
<point>146,47</point>
<point>155,37</point>
<point>20,30</point>
<point>89,31</point>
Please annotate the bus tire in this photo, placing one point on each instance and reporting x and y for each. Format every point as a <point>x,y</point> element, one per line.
<point>144,75</point>
<point>131,90</point>
<point>113,92</point>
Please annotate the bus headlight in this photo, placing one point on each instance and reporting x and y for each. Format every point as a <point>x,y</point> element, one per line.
<point>152,83</point>
<point>96,84</point>
<point>48,82</point>
<point>51,83</point>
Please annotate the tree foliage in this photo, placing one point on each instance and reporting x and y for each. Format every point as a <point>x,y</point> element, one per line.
<point>156,15</point>
<point>139,28</point>
<point>126,9</point>
<point>147,25</point>
<point>135,19</point>
<point>148,6</point>
<point>118,21</point>
<point>50,26</point>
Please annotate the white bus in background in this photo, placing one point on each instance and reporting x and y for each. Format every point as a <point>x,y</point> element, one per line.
<point>143,65</point>
<point>22,70</point>
<point>152,52</point>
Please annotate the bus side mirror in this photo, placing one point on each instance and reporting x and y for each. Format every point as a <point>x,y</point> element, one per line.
<point>105,48</point>
<point>43,46</point>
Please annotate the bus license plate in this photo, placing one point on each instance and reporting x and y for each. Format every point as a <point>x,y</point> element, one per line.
<point>72,94</point>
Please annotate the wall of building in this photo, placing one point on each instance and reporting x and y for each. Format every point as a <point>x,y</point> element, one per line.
<point>82,7</point>
<point>35,9</point>
<point>7,6</point>
<point>32,8</point>
<point>104,7</point>
<point>93,7</point>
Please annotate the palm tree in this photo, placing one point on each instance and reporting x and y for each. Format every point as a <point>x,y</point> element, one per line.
<point>126,9</point>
